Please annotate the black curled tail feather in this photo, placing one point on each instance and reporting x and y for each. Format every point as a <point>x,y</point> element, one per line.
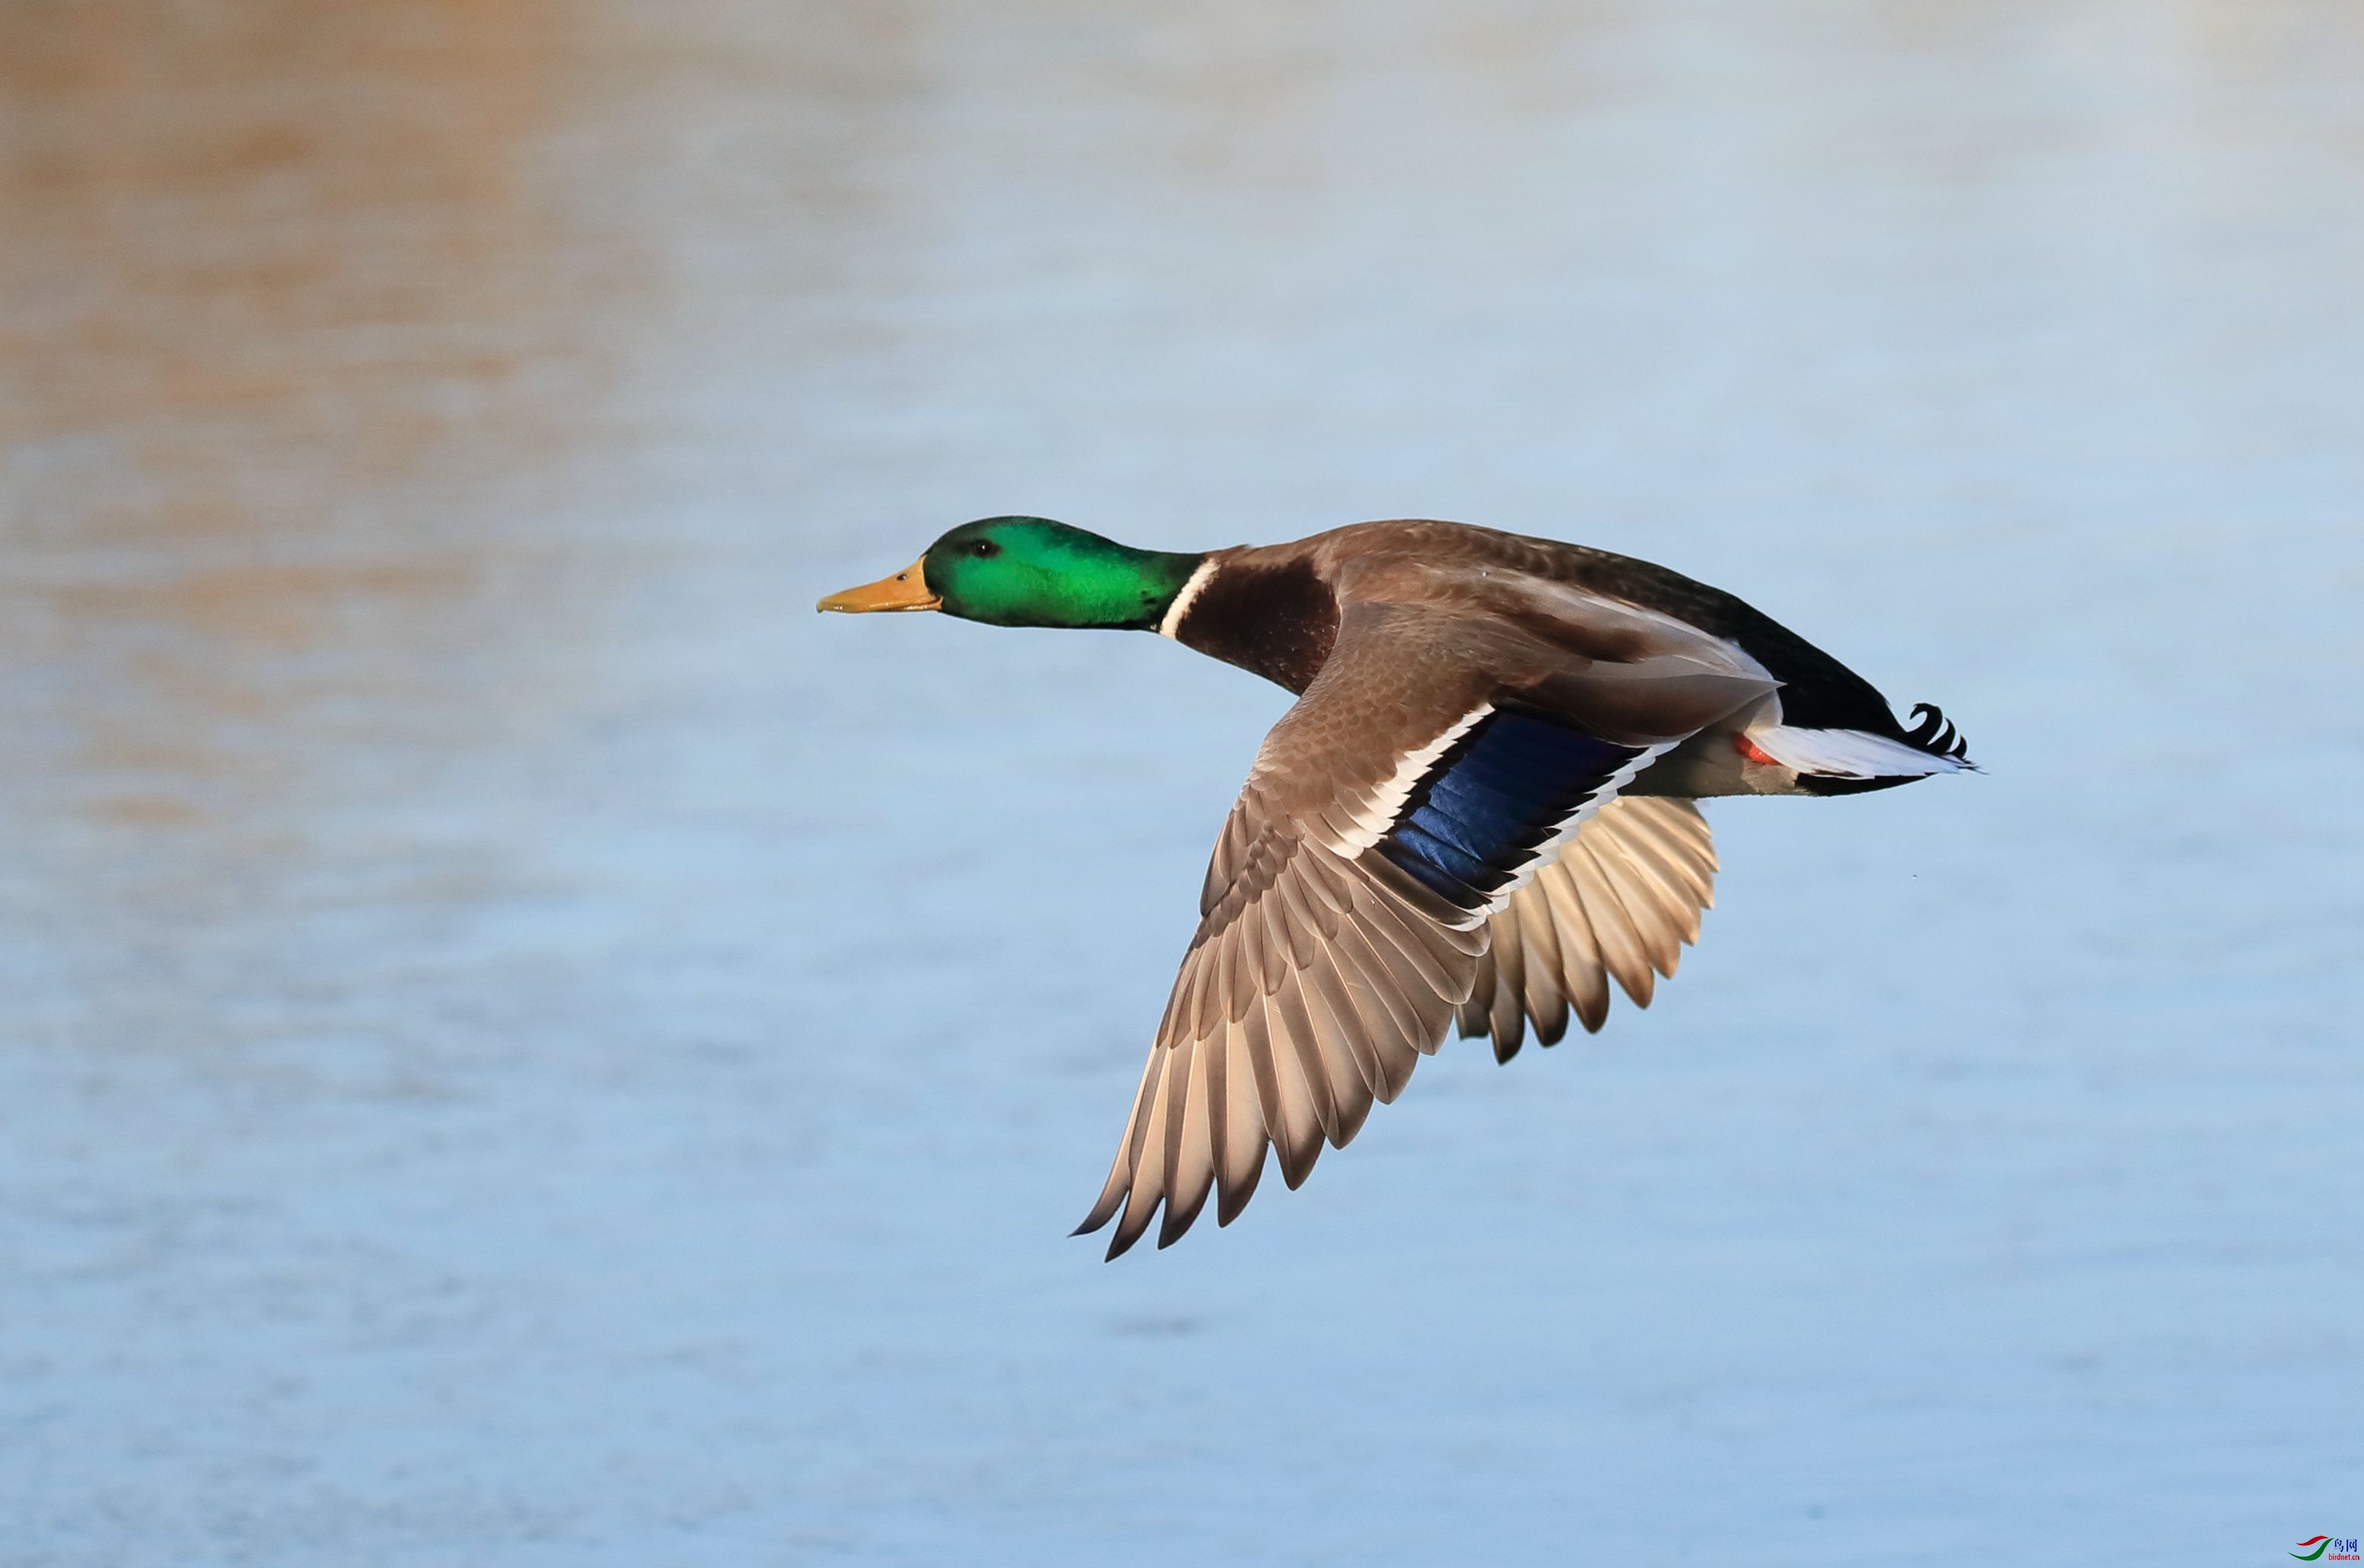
<point>1936,734</point>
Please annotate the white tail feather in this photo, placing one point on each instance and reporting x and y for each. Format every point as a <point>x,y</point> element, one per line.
<point>1848,754</point>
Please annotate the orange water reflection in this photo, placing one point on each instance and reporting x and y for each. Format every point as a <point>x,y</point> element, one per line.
<point>283,286</point>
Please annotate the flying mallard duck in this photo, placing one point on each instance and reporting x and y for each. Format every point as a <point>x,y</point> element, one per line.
<point>1479,811</point>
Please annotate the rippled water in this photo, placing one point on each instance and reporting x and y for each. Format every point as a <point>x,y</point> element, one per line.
<point>520,1043</point>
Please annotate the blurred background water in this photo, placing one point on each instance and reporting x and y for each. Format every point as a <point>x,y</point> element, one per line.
<point>522,1044</point>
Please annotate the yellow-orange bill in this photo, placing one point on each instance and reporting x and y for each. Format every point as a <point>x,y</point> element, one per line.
<point>907,590</point>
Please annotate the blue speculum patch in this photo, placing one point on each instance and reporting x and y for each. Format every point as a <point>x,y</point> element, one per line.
<point>1502,790</point>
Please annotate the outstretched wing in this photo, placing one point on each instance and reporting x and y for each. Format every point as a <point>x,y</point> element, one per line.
<point>1622,901</point>
<point>1391,817</point>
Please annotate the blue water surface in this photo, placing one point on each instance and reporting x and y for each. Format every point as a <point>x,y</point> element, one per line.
<point>522,1044</point>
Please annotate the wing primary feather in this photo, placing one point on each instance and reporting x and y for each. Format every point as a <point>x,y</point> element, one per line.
<point>1644,838</point>
<point>1119,1174</point>
<point>1190,1158</point>
<point>1506,1045</point>
<point>1580,975</point>
<point>1350,1095</point>
<point>1644,902</point>
<point>1148,1167</point>
<point>1215,1062</point>
<point>1326,981</point>
<point>1473,1017</point>
<point>1541,968</point>
<point>1292,1022</point>
<point>1394,1025</point>
<point>1509,1022</point>
<point>1678,896</point>
<point>1675,855</point>
<point>1289,1119</point>
<point>1177,1094</point>
<point>1621,949</point>
<point>1262,1057</point>
<point>1469,1021</point>
<point>1244,1141</point>
<point>1371,978</point>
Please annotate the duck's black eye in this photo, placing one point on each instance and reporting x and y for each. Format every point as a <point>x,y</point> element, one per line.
<point>983,547</point>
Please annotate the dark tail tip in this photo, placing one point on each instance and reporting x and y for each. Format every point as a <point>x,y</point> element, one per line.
<point>1936,734</point>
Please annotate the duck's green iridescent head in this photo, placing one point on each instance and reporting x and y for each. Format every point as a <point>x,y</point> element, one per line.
<point>1030,572</point>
